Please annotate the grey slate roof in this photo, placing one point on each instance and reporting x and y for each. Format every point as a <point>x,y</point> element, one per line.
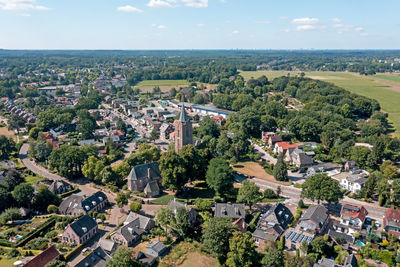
<point>93,200</point>
<point>156,246</point>
<point>83,225</point>
<point>324,262</point>
<point>260,233</point>
<point>53,187</point>
<point>144,222</point>
<point>107,244</point>
<point>234,211</point>
<point>278,214</point>
<point>355,179</point>
<point>334,234</point>
<point>316,213</point>
<point>140,172</point>
<point>183,117</point>
<point>97,258</point>
<point>152,187</point>
<point>131,230</point>
<point>70,203</point>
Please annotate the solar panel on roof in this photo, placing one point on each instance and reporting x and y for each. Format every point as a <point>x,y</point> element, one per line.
<point>292,235</point>
<point>300,238</point>
<point>309,239</point>
<point>296,236</point>
<point>288,234</point>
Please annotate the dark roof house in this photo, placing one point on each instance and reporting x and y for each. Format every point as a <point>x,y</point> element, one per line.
<point>225,210</point>
<point>156,249</point>
<point>315,219</point>
<point>97,258</point>
<point>46,256</point>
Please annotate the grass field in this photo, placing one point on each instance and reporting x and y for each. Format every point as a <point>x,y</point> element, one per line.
<point>6,132</point>
<point>153,83</point>
<point>254,169</point>
<point>383,87</point>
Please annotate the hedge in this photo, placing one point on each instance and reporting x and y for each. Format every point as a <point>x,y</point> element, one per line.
<point>73,252</point>
<point>6,243</point>
<point>36,232</point>
<point>66,194</point>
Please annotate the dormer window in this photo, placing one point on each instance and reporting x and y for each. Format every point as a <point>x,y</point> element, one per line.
<point>84,229</point>
<point>100,198</point>
<point>94,203</point>
<point>87,207</point>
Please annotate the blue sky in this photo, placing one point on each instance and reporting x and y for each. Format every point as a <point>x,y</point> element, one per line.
<point>199,24</point>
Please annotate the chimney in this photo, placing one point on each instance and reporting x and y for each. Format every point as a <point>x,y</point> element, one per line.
<point>148,173</point>
<point>236,210</point>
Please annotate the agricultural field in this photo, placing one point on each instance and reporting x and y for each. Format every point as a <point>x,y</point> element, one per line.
<point>165,85</point>
<point>383,87</point>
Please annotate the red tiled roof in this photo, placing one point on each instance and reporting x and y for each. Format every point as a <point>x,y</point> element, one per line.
<point>44,257</point>
<point>286,145</point>
<point>354,211</point>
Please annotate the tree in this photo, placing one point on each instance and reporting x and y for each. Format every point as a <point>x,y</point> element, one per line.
<point>7,146</point>
<point>249,193</point>
<point>242,251</point>
<point>52,208</point>
<point>154,135</point>
<point>122,258</point>
<point>280,169</point>
<point>219,176</point>
<point>135,206</point>
<point>23,194</point>
<point>164,217</point>
<point>42,150</point>
<point>194,163</point>
<point>44,198</point>
<point>121,199</point>
<point>216,237</point>
<point>208,126</point>
<point>321,187</point>
<point>145,153</point>
<point>13,178</point>
<point>9,215</point>
<point>121,125</point>
<point>273,258</point>
<point>57,263</point>
<point>5,197</point>
<point>180,223</point>
<point>172,170</point>
<point>108,175</point>
<point>15,123</point>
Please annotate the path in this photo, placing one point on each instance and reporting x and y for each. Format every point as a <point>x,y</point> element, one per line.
<point>263,153</point>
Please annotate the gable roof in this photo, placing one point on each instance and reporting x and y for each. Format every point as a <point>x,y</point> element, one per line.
<point>151,187</point>
<point>131,230</point>
<point>229,210</point>
<point>157,246</point>
<point>93,200</point>
<point>315,213</point>
<point>278,214</point>
<point>53,187</point>
<point>392,217</point>
<point>70,203</point>
<point>183,117</point>
<point>143,220</point>
<point>44,257</point>
<point>141,171</point>
<point>83,225</point>
<point>351,212</point>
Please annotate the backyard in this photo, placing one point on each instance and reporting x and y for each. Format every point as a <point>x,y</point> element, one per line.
<point>254,169</point>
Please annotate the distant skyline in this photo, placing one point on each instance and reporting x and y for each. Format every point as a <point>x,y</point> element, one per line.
<point>199,24</point>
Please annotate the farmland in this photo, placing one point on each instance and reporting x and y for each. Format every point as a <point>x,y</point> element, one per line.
<point>383,87</point>
<point>165,85</point>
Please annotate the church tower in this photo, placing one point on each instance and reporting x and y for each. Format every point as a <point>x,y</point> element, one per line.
<point>183,130</point>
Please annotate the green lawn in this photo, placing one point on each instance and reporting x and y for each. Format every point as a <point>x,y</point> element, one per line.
<point>162,200</point>
<point>362,85</point>
<point>32,179</point>
<point>153,83</point>
<point>388,77</point>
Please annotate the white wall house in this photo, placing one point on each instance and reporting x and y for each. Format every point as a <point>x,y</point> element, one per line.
<point>352,183</point>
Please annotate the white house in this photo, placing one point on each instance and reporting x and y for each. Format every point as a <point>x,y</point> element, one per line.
<point>353,216</point>
<point>353,183</point>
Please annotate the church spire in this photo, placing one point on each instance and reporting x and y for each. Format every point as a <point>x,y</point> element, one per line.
<point>183,117</point>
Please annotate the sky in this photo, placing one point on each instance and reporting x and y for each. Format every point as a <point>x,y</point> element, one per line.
<point>199,24</point>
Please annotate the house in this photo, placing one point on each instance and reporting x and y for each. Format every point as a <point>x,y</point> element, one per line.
<point>349,261</point>
<point>44,257</point>
<point>330,169</point>
<point>114,138</point>
<point>294,237</point>
<point>233,211</point>
<point>240,224</point>
<point>165,130</point>
<point>314,220</point>
<point>298,158</point>
<point>281,147</point>
<point>391,221</point>
<point>353,183</point>
<point>77,204</point>
<point>8,164</point>
<point>272,224</point>
<point>145,259</point>
<point>59,186</point>
<point>108,245</point>
<point>96,258</point>
<point>143,175</point>
<point>349,165</point>
<point>131,232</point>
<point>156,249</point>
<point>175,205</point>
<point>219,120</point>
<point>270,138</point>
<point>80,231</point>
<point>353,216</point>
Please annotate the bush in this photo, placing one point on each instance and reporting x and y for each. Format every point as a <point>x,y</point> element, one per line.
<point>301,204</point>
<point>10,215</point>
<point>39,243</point>
<point>135,206</point>
<point>52,209</point>
<point>51,234</point>
<point>13,253</point>
<point>269,193</point>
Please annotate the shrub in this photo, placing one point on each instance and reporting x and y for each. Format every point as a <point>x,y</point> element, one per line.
<point>269,193</point>
<point>13,253</point>
<point>301,204</point>
<point>51,234</point>
<point>135,206</point>
<point>10,215</point>
<point>39,243</point>
<point>52,209</point>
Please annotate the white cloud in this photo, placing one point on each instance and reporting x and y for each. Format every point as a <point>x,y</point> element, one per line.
<point>336,20</point>
<point>262,22</point>
<point>24,15</point>
<point>307,21</point>
<point>177,3</point>
<point>359,29</point>
<point>286,30</point>
<point>200,25</point>
<point>235,32</point>
<point>364,34</point>
<point>129,8</point>
<point>161,27</point>
<point>305,27</point>
<point>21,5</point>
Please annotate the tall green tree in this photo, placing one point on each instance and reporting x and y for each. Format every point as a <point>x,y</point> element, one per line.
<point>13,178</point>
<point>280,169</point>
<point>249,193</point>
<point>273,258</point>
<point>216,237</point>
<point>122,257</point>
<point>164,217</point>
<point>7,146</point>
<point>180,222</point>
<point>321,187</point>
<point>242,251</point>
<point>194,163</point>
<point>172,170</point>
<point>23,194</point>
<point>219,176</point>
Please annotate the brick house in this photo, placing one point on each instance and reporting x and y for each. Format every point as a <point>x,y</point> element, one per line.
<point>143,175</point>
<point>80,231</point>
<point>44,257</point>
<point>281,147</point>
<point>391,221</point>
